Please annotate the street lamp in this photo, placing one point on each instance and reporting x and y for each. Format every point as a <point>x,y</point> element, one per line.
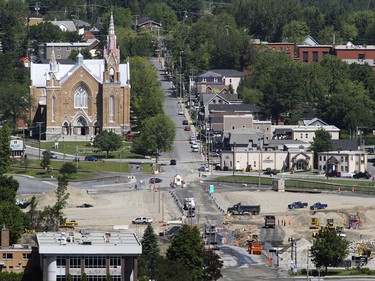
<point>40,134</point>
<point>234,154</point>
<point>260,163</point>
<point>181,52</point>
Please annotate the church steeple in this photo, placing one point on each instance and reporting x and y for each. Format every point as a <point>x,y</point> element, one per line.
<point>53,62</point>
<point>111,50</point>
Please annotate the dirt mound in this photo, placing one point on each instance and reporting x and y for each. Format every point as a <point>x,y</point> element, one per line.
<point>76,197</point>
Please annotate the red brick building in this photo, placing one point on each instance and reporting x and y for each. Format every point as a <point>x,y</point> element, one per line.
<point>288,48</point>
<point>309,54</point>
<point>360,54</point>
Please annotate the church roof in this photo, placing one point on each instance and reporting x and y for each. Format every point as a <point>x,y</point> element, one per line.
<point>39,72</point>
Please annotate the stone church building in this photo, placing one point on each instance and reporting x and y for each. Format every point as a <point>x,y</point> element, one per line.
<point>82,99</point>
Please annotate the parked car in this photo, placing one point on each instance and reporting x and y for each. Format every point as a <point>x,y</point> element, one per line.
<point>187,128</point>
<point>50,154</point>
<point>362,175</point>
<point>91,158</point>
<point>185,122</point>
<point>141,220</point>
<point>203,169</point>
<point>155,180</point>
<point>270,171</point>
<point>192,138</point>
<point>195,150</point>
<point>347,175</point>
<point>180,112</point>
<point>194,145</point>
<point>85,205</point>
<point>173,162</point>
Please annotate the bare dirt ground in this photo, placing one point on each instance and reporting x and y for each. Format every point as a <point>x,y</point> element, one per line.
<point>117,209</point>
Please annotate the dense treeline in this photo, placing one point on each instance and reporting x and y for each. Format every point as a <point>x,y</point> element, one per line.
<point>199,35</point>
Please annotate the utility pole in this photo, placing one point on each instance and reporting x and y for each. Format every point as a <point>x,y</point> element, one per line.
<point>234,154</point>
<point>181,80</point>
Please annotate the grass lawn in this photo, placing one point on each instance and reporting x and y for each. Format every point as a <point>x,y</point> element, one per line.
<point>85,149</point>
<point>86,170</point>
<point>365,187</point>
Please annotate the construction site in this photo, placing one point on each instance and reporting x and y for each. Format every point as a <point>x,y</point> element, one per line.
<point>351,215</point>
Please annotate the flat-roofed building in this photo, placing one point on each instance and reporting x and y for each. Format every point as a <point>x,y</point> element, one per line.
<point>95,254</point>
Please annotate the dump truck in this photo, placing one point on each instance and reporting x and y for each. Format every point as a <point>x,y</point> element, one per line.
<point>189,206</point>
<point>314,224</point>
<point>353,221</point>
<point>269,221</point>
<point>239,209</point>
<point>254,246</point>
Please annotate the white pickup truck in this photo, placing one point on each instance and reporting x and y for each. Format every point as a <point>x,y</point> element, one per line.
<point>141,220</point>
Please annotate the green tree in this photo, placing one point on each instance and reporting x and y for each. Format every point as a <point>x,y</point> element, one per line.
<point>46,162</point>
<point>62,197</point>
<point>322,142</point>
<point>330,250</point>
<point>84,52</point>
<point>150,251</point>
<point>25,162</point>
<point>108,277</point>
<point>166,274</point>
<point>11,276</point>
<point>32,216</point>
<point>296,31</point>
<point>212,265</point>
<point>5,150</point>
<point>12,218</point>
<point>157,135</point>
<point>187,249</point>
<point>84,277</point>
<point>14,106</point>
<point>107,141</point>
<point>279,79</point>
<point>68,169</point>
<point>8,189</point>
<point>147,96</point>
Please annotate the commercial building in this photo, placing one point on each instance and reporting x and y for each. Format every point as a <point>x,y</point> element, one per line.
<point>94,254</point>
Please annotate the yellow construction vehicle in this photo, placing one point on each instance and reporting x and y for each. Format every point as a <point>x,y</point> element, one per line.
<point>330,224</point>
<point>314,224</point>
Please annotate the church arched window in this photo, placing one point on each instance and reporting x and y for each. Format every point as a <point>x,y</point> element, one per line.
<point>81,98</point>
<point>112,108</point>
<point>111,75</point>
<point>53,108</point>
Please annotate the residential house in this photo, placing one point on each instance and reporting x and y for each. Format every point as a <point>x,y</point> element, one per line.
<point>218,81</point>
<point>147,24</point>
<point>304,133</point>
<point>220,99</point>
<point>62,50</point>
<point>65,25</point>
